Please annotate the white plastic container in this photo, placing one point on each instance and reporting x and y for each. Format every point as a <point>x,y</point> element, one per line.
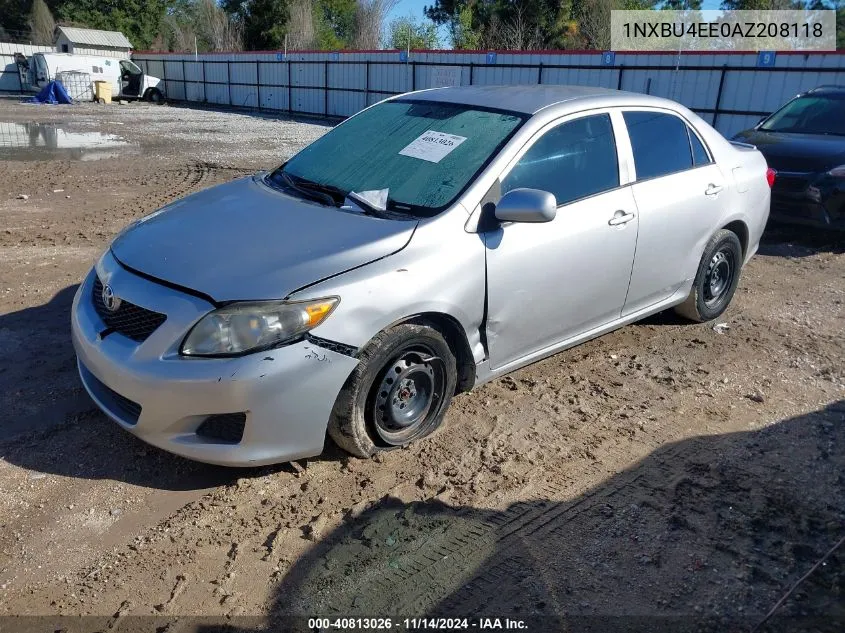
<point>77,84</point>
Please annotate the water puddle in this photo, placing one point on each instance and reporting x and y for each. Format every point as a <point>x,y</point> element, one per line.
<point>47,141</point>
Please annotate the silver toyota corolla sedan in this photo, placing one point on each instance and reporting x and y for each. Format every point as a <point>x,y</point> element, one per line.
<point>428,244</point>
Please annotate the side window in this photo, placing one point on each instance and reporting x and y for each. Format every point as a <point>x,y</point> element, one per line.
<point>40,66</point>
<point>573,160</point>
<point>699,153</point>
<point>660,142</point>
<point>129,68</point>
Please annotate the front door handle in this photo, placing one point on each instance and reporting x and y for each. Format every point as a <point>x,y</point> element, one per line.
<point>712,189</point>
<point>620,217</point>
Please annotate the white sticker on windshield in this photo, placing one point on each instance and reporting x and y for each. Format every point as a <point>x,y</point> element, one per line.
<point>432,146</point>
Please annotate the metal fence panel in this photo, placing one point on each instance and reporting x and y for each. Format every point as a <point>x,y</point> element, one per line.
<point>244,96</point>
<point>728,90</point>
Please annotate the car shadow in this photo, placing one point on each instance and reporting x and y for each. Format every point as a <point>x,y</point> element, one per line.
<point>784,240</point>
<point>666,317</point>
<point>705,534</point>
<point>48,423</point>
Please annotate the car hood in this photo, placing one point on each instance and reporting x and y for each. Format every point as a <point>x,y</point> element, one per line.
<point>787,151</point>
<point>246,241</point>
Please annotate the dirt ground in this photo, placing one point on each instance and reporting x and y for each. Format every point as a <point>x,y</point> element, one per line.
<point>664,476</point>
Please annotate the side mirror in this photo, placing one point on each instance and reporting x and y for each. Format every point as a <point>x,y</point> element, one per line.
<point>526,205</point>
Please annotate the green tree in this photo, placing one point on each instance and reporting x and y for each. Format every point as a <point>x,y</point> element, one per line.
<point>334,23</point>
<point>139,20</point>
<point>14,18</point>
<point>464,34</point>
<point>421,34</point>
<point>265,22</point>
<point>762,5</point>
<point>681,5</point>
<point>462,19</point>
<point>840,26</point>
<point>529,24</point>
<point>41,23</point>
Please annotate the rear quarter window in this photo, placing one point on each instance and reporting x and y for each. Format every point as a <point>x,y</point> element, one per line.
<point>699,152</point>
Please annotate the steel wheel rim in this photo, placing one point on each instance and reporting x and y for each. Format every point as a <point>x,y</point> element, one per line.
<point>407,395</point>
<point>719,278</point>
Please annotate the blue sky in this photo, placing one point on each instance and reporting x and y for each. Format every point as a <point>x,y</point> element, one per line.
<point>404,8</point>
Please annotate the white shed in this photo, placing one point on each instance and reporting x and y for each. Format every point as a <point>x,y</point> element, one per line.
<point>70,39</point>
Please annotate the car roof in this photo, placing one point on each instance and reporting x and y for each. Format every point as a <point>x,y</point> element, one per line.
<point>530,99</point>
<point>828,89</point>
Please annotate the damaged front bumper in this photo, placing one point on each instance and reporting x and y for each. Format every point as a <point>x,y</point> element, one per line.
<point>282,398</point>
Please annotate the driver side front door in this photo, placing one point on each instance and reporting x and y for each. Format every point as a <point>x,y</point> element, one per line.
<point>553,281</point>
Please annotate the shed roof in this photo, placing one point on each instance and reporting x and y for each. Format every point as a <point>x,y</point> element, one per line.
<point>94,37</point>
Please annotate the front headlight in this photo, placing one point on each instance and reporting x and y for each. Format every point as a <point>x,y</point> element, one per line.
<point>245,327</point>
<point>837,172</point>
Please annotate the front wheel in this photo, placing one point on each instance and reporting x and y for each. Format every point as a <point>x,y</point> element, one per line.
<point>716,279</point>
<point>398,393</point>
<point>154,96</point>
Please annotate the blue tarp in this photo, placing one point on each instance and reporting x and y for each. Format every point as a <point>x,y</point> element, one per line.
<point>53,92</point>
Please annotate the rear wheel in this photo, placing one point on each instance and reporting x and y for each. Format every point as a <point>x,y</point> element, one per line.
<point>716,279</point>
<point>398,393</point>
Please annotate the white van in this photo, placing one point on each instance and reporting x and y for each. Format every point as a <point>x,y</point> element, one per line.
<point>127,80</point>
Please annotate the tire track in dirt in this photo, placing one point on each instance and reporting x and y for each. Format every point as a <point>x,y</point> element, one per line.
<point>127,197</point>
<point>295,500</point>
<point>677,491</point>
<point>273,501</point>
<point>544,554</point>
<point>165,186</point>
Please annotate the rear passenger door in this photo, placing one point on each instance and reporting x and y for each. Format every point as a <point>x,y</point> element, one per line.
<point>678,195</point>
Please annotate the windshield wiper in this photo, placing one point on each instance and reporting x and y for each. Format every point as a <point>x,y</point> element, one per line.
<point>337,195</point>
<point>413,210</point>
<point>308,192</point>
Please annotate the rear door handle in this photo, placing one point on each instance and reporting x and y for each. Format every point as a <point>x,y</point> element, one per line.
<point>620,217</point>
<point>712,189</point>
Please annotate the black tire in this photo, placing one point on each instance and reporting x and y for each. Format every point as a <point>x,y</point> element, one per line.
<point>716,279</point>
<point>154,96</point>
<point>367,417</point>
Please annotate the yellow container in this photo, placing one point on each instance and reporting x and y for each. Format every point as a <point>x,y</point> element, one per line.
<point>102,91</point>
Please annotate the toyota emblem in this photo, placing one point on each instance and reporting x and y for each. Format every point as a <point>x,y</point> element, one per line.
<point>110,300</point>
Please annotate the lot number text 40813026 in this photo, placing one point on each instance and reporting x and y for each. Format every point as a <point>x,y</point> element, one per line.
<point>416,624</point>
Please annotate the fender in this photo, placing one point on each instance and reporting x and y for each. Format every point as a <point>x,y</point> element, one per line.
<point>409,283</point>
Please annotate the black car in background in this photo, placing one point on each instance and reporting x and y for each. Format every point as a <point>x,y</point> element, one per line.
<point>804,142</point>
